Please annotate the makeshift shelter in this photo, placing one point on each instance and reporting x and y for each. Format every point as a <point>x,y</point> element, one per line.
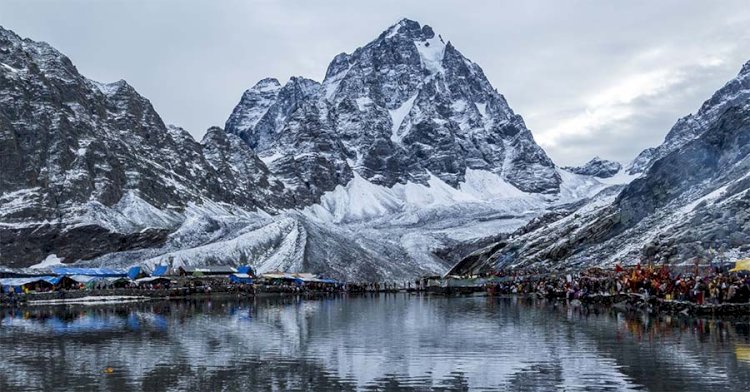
<point>239,278</point>
<point>18,285</point>
<point>280,277</point>
<point>218,270</point>
<point>246,269</point>
<point>741,265</point>
<point>160,270</point>
<point>101,272</point>
<point>136,272</point>
<point>117,283</point>
<point>153,280</point>
<point>71,282</point>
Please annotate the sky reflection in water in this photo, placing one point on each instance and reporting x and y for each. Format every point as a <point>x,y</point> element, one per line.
<point>385,342</point>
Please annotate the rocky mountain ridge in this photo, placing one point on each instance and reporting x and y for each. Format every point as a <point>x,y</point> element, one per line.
<point>403,155</point>
<point>81,158</point>
<point>690,203</point>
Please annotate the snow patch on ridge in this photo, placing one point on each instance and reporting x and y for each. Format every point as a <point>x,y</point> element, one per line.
<point>431,52</point>
<point>9,68</point>
<point>485,185</point>
<point>397,117</point>
<point>578,186</point>
<point>130,214</point>
<point>482,108</point>
<point>711,196</point>
<point>332,84</point>
<point>107,89</point>
<point>51,261</point>
<point>621,178</point>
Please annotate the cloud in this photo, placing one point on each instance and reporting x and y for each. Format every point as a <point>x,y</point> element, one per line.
<point>633,111</point>
<point>590,78</point>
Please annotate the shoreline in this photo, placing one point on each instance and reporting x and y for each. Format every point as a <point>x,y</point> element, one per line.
<point>100,297</point>
<point>620,302</point>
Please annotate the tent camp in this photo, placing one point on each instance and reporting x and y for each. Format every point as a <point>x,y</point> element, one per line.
<point>154,280</point>
<point>34,283</point>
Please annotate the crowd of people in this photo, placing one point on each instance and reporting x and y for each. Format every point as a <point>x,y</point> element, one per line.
<point>696,285</point>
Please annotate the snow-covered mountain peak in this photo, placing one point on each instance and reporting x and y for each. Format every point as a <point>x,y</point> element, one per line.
<point>266,85</point>
<point>404,105</point>
<point>408,29</point>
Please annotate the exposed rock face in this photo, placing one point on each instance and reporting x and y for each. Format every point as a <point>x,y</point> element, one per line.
<point>405,105</point>
<point>597,167</point>
<point>693,197</point>
<point>72,150</point>
<point>735,92</point>
<point>403,157</point>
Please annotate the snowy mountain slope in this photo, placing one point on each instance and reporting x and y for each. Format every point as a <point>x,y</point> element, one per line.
<point>692,199</point>
<point>90,168</point>
<point>402,155</point>
<point>364,231</point>
<point>734,92</point>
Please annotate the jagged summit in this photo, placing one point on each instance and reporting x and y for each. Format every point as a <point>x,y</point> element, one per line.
<point>408,29</point>
<point>399,109</point>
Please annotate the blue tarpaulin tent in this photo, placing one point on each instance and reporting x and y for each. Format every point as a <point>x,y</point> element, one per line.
<point>160,270</point>
<point>245,269</point>
<point>241,278</point>
<point>102,272</point>
<point>133,272</point>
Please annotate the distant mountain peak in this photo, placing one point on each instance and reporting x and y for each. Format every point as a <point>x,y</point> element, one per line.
<point>597,167</point>
<point>267,84</point>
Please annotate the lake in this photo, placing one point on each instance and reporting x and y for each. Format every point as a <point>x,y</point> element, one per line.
<point>397,342</point>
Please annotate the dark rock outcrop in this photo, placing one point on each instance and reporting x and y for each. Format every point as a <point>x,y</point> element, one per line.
<point>597,167</point>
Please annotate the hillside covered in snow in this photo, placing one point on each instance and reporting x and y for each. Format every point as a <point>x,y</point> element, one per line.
<point>402,160</point>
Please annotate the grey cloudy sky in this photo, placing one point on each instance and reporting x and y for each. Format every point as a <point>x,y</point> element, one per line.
<point>604,78</point>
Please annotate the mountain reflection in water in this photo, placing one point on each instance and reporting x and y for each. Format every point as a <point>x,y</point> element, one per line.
<point>379,342</point>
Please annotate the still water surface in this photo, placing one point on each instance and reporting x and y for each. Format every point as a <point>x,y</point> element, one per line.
<point>393,342</point>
